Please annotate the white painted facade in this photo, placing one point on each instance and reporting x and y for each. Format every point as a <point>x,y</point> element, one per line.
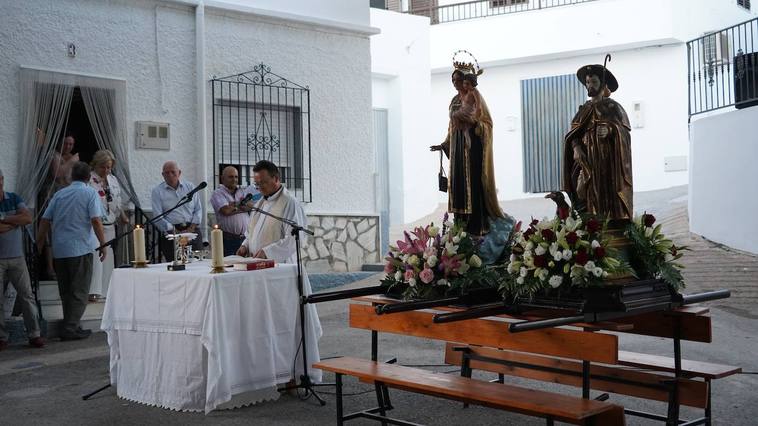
<point>723,199</point>
<point>401,85</point>
<point>153,46</point>
<point>647,39</point>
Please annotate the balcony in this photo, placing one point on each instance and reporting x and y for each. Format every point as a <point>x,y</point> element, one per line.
<point>723,68</point>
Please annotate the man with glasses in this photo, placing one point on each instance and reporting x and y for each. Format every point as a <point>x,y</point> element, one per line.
<point>268,238</point>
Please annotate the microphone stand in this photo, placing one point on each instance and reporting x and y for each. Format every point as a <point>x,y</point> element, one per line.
<point>184,200</point>
<point>305,378</point>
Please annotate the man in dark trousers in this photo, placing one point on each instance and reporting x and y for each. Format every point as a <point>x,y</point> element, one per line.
<point>74,214</point>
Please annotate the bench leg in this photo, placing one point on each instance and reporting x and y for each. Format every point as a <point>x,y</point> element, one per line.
<point>673,409</point>
<point>338,383</point>
<point>549,422</point>
<point>708,407</point>
<point>586,379</point>
<point>379,387</point>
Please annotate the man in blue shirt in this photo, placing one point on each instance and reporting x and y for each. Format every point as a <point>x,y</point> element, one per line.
<point>186,218</point>
<point>13,217</point>
<point>74,213</point>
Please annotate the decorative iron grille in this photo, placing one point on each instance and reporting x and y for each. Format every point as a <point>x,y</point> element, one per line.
<point>259,115</point>
<point>723,68</point>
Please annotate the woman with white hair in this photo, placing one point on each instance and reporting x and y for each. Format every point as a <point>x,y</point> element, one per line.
<point>109,190</point>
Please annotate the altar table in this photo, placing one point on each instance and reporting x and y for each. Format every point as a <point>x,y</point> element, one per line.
<point>195,341</point>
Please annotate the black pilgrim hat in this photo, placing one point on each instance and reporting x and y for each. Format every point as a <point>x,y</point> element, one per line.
<point>597,70</point>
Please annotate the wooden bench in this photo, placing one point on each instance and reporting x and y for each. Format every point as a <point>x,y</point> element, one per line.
<point>505,397</point>
<point>578,355</point>
<point>634,374</point>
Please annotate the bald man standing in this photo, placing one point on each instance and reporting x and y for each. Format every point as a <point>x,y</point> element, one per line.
<point>232,214</point>
<point>184,219</point>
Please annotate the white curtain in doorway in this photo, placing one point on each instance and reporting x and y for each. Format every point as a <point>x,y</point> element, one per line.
<point>46,99</point>
<point>106,111</point>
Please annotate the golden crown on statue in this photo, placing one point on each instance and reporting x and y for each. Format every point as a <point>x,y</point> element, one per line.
<point>467,67</point>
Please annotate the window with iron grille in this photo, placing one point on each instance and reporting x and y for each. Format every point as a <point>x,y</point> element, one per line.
<point>261,116</point>
<point>744,3</point>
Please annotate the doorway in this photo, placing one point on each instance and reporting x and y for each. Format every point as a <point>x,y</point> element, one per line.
<point>79,127</point>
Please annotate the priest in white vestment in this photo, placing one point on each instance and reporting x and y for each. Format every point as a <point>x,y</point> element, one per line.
<point>268,238</point>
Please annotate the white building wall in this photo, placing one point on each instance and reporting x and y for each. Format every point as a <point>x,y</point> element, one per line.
<point>354,12</point>
<point>336,66</point>
<point>151,45</point>
<point>722,193</point>
<point>400,63</point>
<point>116,39</point>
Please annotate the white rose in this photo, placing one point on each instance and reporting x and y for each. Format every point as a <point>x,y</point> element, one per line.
<point>432,261</point>
<point>463,234</point>
<point>412,282</point>
<point>598,272</point>
<point>475,261</point>
<point>555,281</point>
<point>520,280</point>
<point>456,240</point>
<point>509,268</point>
<point>595,244</point>
<point>557,256</point>
<point>539,251</point>
<point>589,266</point>
<point>567,254</point>
<point>398,276</point>
<point>523,271</point>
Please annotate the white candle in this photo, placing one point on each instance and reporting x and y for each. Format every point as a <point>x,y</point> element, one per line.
<point>139,244</point>
<point>217,248</point>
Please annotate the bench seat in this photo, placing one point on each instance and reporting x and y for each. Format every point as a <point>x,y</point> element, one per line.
<point>506,397</point>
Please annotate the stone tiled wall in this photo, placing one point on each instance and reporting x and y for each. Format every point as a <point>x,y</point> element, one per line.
<point>341,243</point>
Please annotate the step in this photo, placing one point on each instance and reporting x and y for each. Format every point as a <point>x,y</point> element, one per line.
<point>48,291</point>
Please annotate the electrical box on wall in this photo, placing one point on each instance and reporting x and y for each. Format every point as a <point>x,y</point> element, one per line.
<point>151,135</point>
<point>675,164</point>
<point>638,117</point>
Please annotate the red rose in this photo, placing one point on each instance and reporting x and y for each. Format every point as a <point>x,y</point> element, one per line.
<point>593,225</point>
<point>581,257</point>
<point>102,193</point>
<point>673,250</point>
<point>599,252</point>
<point>528,233</point>
<point>540,261</point>
<point>534,222</point>
<point>548,235</point>
<point>572,238</point>
<point>648,220</point>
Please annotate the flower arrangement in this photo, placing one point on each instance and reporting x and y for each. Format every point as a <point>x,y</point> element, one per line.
<point>431,262</point>
<point>654,255</point>
<point>564,251</point>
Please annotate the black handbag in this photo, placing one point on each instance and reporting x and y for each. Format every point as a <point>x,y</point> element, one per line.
<point>442,178</point>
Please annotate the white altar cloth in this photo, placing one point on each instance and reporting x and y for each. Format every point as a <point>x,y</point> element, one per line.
<point>195,341</point>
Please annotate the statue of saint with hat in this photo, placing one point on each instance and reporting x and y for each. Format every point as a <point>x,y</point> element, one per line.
<point>597,156</point>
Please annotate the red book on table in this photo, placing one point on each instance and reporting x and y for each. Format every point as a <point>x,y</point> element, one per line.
<point>253,264</point>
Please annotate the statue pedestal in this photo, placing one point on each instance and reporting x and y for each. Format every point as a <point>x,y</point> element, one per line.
<point>621,243</point>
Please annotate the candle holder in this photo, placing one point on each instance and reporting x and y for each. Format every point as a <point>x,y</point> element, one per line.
<point>139,264</point>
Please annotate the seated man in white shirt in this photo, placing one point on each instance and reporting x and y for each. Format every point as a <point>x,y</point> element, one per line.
<point>266,237</point>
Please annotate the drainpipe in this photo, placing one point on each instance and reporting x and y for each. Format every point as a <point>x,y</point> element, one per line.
<point>201,105</point>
